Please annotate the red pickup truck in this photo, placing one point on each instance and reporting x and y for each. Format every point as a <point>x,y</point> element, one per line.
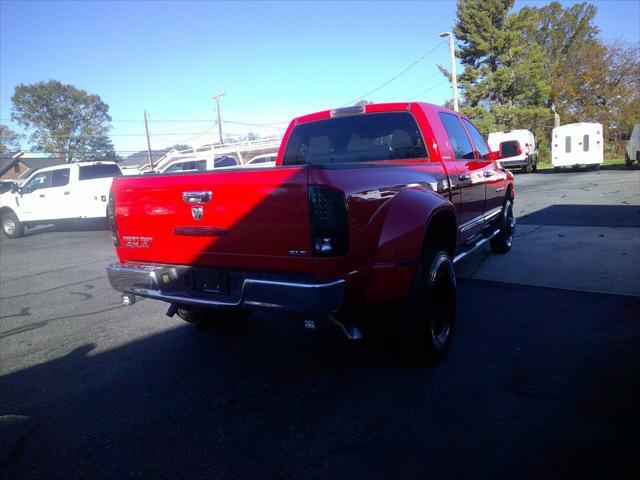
<point>366,206</point>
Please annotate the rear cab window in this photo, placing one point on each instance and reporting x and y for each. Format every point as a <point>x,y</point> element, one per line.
<point>102,170</point>
<point>371,137</point>
<point>460,143</point>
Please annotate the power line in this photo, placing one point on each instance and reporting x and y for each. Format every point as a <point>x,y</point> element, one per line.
<point>402,72</point>
<point>429,89</point>
<point>398,95</point>
<point>186,120</point>
<point>266,125</point>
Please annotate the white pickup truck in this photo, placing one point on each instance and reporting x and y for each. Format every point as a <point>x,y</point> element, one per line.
<point>54,194</point>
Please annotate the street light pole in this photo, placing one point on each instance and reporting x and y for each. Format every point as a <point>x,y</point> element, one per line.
<point>217,99</point>
<point>454,76</point>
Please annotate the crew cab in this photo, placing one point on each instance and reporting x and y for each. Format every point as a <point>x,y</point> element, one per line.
<point>367,206</point>
<point>60,193</point>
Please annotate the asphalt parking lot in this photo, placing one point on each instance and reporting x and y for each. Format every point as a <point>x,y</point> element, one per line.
<point>542,380</point>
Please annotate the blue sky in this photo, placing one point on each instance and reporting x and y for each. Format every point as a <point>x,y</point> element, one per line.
<point>274,60</point>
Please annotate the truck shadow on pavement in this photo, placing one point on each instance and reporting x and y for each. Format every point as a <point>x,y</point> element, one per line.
<point>78,225</point>
<point>535,388</point>
<point>585,215</point>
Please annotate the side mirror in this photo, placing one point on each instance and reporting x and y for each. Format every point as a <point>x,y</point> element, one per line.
<point>492,156</point>
<point>15,188</point>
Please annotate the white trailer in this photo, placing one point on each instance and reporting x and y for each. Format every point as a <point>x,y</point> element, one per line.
<point>577,144</point>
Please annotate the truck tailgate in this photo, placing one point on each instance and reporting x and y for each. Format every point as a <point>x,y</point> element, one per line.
<point>256,219</point>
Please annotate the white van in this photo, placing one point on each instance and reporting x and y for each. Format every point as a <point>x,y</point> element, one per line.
<point>53,194</point>
<point>632,151</point>
<point>577,144</point>
<point>519,146</point>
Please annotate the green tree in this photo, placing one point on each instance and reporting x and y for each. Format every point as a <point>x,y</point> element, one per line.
<point>66,121</point>
<point>9,140</point>
<point>561,33</point>
<point>181,146</point>
<point>501,68</point>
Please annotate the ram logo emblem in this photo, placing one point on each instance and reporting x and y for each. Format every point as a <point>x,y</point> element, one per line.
<point>197,211</point>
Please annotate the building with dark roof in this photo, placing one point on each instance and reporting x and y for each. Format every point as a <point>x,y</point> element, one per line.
<point>22,164</point>
<point>141,158</point>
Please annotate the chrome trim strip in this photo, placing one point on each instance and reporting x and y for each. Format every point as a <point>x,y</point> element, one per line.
<point>295,297</point>
<point>479,219</point>
<point>492,213</point>
<point>461,255</point>
<point>472,223</point>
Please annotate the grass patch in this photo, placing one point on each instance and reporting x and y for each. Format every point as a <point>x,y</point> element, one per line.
<point>607,161</point>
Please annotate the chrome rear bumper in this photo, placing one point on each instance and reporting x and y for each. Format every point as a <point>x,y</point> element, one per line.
<point>170,283</point>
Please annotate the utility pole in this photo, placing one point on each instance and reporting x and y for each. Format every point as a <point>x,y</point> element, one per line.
<point>454,76</point>
<point>217,99</point>
<point>146,129</point>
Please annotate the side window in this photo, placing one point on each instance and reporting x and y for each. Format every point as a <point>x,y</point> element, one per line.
<point>226,161</point>
<point>457,136</point>
<point>567,144</point>
<point>38,181</point>
<point>99,170</point>
<point>585,143</point>
<point>60,178</point>
<point>200,165</point>
<point>478,139</point>
<point>176,167</point>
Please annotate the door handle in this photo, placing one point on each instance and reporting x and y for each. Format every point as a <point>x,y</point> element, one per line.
<point>41,195</point>
<point>464,177</point>
<point>489,173</point>
<point>67,193</point>
<point>196,197</point>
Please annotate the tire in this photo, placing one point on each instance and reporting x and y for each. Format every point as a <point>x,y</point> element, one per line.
<point>556,169</point>
<point>534,167</point>
<point>11,226</point>
<point>595,168</point>
<point>502,242</point>
<point>637,159</point>
<point>627,161</point>
<point>527,167</point>
<point>433,308</point>
<point>205,319</point>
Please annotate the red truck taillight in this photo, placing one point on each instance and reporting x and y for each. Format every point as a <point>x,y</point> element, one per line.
<point>111,216</point>
<point>329,222</point>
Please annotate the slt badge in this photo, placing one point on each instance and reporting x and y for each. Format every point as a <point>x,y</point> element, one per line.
<point>197,211</point>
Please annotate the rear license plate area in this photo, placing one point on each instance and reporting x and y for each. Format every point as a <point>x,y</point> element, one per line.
<point>210,281</point>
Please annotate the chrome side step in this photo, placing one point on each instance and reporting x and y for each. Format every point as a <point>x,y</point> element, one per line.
<point>481,242</point>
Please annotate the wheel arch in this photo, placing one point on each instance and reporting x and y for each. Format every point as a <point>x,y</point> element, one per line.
<point>4,210</point>
<point>415,218</point>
